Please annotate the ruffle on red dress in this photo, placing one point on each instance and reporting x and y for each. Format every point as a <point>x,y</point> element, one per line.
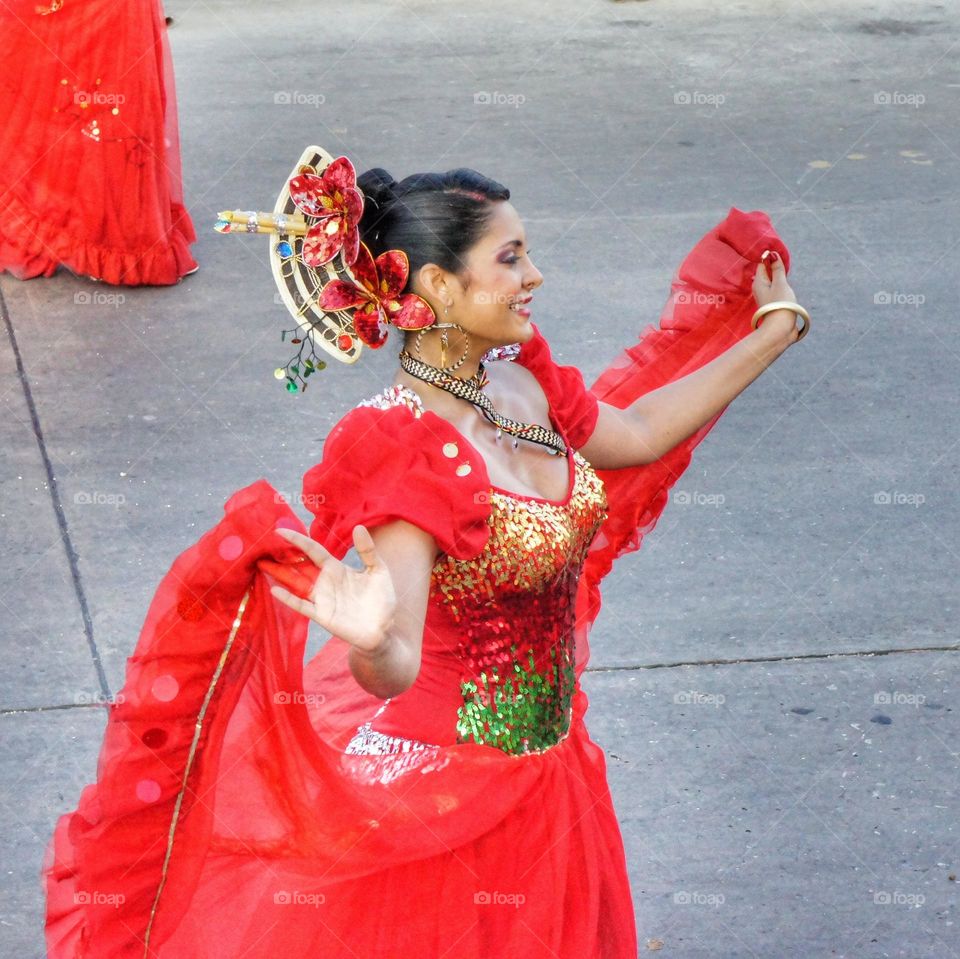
<point>232,816</point>
<point>91,176</point>
<point>709,309</point>
<point>394,465</point>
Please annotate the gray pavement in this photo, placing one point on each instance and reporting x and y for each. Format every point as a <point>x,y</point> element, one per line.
<point>774,672</point>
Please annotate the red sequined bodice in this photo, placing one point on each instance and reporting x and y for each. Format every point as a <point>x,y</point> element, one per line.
<point>498,647</point>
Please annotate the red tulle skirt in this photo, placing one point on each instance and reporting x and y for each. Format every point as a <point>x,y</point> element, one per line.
<point>89,148</point>
<point>228,820</point>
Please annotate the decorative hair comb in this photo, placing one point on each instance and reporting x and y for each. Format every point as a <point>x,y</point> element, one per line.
<point>341,297</point>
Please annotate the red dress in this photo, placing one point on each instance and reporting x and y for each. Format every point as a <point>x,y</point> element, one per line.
<point>248,806</point>
<point>90,169</point>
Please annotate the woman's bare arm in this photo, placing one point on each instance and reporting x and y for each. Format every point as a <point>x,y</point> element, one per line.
<point>656,422</point>
<point>409,554</point>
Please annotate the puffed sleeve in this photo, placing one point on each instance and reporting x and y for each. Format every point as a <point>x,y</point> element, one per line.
<point>573,407</point>
<point>384,464</point>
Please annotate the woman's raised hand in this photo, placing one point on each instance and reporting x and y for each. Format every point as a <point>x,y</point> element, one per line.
<point>768,289</point>
<point>357,605</point>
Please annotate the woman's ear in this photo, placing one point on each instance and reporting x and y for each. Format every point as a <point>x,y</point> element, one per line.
<point>433,281</point>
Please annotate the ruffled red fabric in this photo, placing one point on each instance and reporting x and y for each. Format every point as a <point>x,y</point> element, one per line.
<point>386,464</point>
<point>573,407</point>
<point>708,310</point>
<point>227,818</point>
<point>96,191</point>
<point>227,821</point>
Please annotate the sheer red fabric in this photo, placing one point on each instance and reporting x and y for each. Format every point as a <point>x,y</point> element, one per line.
<point>90,173</point>
<point>232,815</point>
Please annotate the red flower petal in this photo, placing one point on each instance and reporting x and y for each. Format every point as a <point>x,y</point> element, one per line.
<point>322,242</point>
<point>340,175</point>
<point>354,205</point>
<point>341,295</point>
<point>410,312</point>
<point>351,244</point>
<point>393,267</point>
<point>365,270</point>
<point>367,325</point>
<point>309,195</point>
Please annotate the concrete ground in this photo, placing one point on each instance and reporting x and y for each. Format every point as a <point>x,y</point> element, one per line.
<point>775,671</point>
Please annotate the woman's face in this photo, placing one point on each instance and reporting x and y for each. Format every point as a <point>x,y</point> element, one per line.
<point>501,278</point>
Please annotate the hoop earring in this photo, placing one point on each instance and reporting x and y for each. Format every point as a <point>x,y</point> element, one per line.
<point>443,327</point>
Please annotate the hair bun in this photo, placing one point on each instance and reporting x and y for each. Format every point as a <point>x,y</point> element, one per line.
<point>377,185</point>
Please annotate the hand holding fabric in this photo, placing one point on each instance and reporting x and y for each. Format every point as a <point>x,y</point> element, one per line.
<point>356,605</point>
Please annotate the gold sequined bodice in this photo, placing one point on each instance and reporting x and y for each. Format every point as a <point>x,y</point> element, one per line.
<point>498,647</point>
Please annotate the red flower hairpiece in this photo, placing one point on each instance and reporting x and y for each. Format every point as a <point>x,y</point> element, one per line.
<point>334,200</point>
<point>377,299</point>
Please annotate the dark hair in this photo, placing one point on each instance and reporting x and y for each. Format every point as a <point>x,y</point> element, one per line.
<point>432,217</point>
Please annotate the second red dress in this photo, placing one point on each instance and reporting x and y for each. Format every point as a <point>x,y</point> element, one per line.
<point>89,147</point>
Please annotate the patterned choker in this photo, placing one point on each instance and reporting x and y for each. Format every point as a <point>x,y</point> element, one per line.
<point>469,390</point>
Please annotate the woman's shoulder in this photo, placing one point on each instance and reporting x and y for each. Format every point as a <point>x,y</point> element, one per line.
<point>387,458</point>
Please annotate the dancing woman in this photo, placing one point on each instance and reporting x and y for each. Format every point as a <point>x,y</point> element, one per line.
<point>426,786</point>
